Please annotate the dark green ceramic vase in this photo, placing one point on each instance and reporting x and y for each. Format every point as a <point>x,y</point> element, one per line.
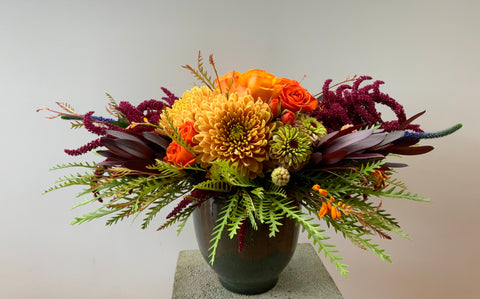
<point>256,268</point>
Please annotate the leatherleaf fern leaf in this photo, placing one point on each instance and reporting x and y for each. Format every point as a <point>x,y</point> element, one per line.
<point>214,185</point>
<point>224,171</point>
<point>239,214</point>
<point>249,206</point>
<point>221,224</point>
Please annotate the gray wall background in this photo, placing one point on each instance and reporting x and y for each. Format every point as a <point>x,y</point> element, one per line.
<point>75,51</point>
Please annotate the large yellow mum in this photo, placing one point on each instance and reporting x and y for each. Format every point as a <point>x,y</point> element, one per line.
<point>184,109</point>
<point>235,130</point>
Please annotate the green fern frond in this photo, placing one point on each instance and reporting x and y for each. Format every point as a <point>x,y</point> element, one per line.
<point>222,221</point>
<point>214,185</point>
<point>101,212</point>
<point>272,220</point>
<point>275,190</point>
<point>402,194</point>
<point>355,234</point>
<point>84,202</point>
<point>168,170</point>
<point>184,214</point>
<point>72,180</point>
<point>314,233</point>
<point>75,164</point>
<point>371,166</point>
<point>223,170</point>
<point>247,203</point>
<point>124,213</point>
<point>396,182</point>
<point>152,212</point>
<point>238,215</point>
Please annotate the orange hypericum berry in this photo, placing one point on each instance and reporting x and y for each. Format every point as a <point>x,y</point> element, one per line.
<point>316,187</point>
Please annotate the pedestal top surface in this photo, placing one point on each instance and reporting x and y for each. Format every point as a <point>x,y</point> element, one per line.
<point>304,277</point>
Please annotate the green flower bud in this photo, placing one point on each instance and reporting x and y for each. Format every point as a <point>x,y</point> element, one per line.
<point>280,176</point>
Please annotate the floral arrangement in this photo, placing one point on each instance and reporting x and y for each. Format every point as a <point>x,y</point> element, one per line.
<point>273,147</point>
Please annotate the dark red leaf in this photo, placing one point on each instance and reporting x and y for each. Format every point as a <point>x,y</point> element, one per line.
<point>365,156</point>
<point>137,149</point>
<point>156,139</point>
<point>109,143</point>
<point>344,141</point>
<point>334,157</point>
<point>123,135</point>
<point>366,143</point>
<point>410,150</point>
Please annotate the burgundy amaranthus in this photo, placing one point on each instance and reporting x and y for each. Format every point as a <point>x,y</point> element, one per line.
<point>98,130</point>
<point>356,105</point>
<point>197,195</point>
<point>146,112</point>
<point>241,234</point>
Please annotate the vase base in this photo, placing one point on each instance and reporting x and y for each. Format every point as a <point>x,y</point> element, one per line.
<point>249,288</point>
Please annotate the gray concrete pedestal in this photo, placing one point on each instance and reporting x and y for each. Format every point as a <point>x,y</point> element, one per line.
<point>305,277</point>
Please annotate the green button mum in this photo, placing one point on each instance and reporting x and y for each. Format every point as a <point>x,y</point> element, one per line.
<point>290,147</point>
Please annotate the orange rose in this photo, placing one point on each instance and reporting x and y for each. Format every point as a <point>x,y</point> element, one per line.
<point>187,132</point>
<point>230,82</point>
<point>261,84</point>
<point>296,98</point>
<point>177,154</point>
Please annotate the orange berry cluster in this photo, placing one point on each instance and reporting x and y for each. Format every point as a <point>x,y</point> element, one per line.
<point>329,206</point>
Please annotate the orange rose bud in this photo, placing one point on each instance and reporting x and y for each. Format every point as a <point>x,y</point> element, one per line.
<point>187,132</point>
<point>177,154</point>
<point>261,84</point>
<point>288,118</point>
<point>296,98</point>
<point>275,107</point>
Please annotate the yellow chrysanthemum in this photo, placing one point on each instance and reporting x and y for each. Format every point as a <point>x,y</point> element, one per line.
<point>235,130</point>
<point>184,109</point>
